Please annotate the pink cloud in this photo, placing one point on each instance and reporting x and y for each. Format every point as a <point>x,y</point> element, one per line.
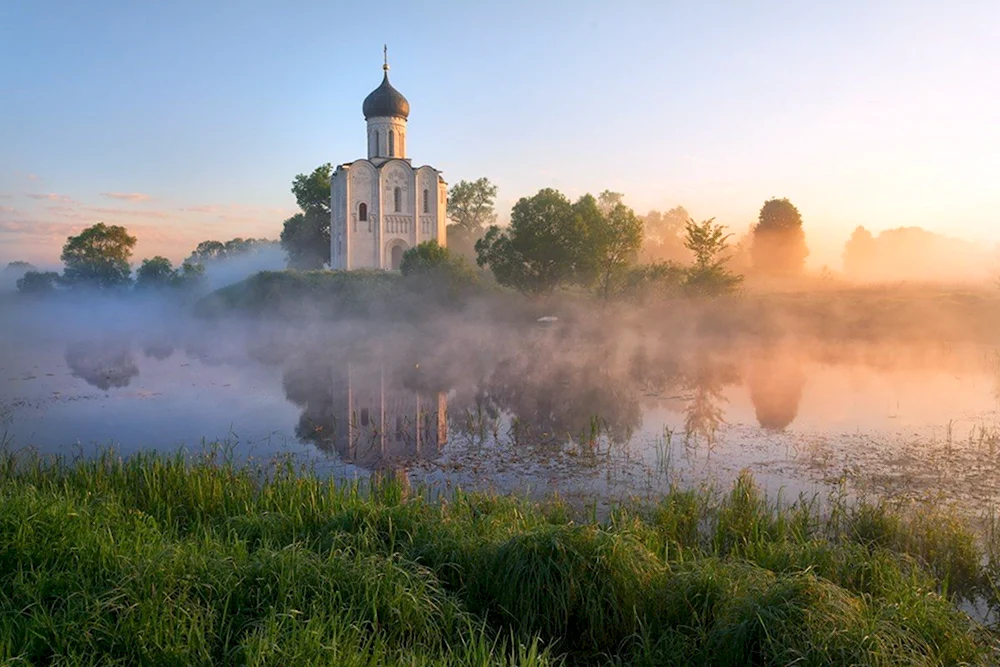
<point>124,211</point>
<point>205,208</point>
<point>227,217</point>
<point>38,228</point>
<point>127,196</point>
<point>51,196</point>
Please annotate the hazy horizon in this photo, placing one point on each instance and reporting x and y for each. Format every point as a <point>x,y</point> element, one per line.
<point>186,124</point>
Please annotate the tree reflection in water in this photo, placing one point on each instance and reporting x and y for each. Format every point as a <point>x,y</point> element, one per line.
<point>706,378</point>
<point>775,380</point>
<point>103,364</point>
<point>552,397</point>
<point>158,349</point>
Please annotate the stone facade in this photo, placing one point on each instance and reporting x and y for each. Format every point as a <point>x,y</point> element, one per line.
<point>382,206</point>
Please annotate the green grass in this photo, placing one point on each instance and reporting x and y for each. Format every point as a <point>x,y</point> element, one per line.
<point>167,561</point>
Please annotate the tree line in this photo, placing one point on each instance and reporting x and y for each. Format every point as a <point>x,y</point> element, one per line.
<point>551,242</point>
<point>99,258</point>
<point>595,243</point>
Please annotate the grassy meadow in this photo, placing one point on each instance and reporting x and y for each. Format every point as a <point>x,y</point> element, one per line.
<point>165,560</point>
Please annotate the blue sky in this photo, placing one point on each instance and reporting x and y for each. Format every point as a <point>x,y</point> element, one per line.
<point>187,120</point>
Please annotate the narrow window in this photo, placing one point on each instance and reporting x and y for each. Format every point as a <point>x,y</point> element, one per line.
<point>427,202</point>
<point>392,143</point>
<point>397,199</point>
<point>363,212</point>
<point>365,420</point>
<point>375,145</point>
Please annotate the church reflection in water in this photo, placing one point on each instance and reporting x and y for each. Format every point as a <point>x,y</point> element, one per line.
<point>372,415</point>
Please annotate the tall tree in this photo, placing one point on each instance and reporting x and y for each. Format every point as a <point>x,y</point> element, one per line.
<point>154,273</point>
<point>470,205</point>
<point>612,242</point>
<point>99,257</point>
<point>779,243</point>
<point>208,251</point>
<point>312,191</point>
<point>540,250</point>
<point>471,210</point>
<point>860,253</point>
<point>305,237</point>
<point>608,199</point>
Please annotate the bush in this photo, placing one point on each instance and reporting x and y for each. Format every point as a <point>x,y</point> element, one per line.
<point>38,283</point>
<point>430,266</point>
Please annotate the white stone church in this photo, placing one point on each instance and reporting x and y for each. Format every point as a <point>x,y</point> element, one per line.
<point>383,205</point>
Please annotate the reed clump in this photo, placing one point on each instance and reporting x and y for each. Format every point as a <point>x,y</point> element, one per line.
<point>166,560</point>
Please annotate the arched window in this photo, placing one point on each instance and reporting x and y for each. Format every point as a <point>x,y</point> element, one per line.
<point>363,212</point>
<point>397,199</point>
<point>375,145</point>
<point>392,143</point>
<point>427,202</point>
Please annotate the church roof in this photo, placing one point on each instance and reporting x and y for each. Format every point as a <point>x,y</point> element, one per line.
<point>385,101</point>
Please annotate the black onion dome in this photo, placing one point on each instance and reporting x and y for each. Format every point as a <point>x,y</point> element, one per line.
<point>385,101</point>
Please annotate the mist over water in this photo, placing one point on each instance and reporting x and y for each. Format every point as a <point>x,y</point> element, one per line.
<point>605,402</point>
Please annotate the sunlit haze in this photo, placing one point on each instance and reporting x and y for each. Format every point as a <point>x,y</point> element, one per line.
<point>187,121</point>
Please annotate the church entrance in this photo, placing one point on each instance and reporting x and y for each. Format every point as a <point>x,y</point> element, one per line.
<point>396,256</point>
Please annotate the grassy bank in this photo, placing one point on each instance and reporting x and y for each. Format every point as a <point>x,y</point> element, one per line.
<point>152,560</point>
<point>297,293</point>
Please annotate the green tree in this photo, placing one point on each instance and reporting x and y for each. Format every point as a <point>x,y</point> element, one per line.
<point>540,250</point>
<point>305,237</point>
<point>189,276</point>
<point>99,257</point>
<point>613,240</point>
<point>208,251</point>
<point>779,242</point>
<point>38,282</point>
<point>709,276</point>
<point>607,200</point>
<point>470,205</point>
<point>471,210</point>
<point>312,191</point>
<point>157,272</point>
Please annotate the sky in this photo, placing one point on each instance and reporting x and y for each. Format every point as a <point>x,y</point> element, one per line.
<point>186,121</point>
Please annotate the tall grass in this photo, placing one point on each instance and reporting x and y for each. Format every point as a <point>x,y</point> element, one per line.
<point>163,560</point>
